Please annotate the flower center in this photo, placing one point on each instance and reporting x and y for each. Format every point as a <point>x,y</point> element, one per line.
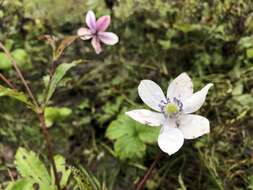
<point>171,108</point>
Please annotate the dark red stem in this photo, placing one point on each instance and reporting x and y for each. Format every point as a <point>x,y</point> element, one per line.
<point>143,181</point>
<point>49,147</point>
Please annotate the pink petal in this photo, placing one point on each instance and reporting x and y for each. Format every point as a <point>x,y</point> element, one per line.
<point>91,21</point>
<point>84,33</point>
<point>103,23</point>
<point>95,42</point>
<point>108,38</point>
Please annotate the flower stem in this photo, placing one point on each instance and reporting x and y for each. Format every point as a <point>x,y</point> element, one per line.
<point>143,181</point>
<point>8,82</point>
<point>49,146</point>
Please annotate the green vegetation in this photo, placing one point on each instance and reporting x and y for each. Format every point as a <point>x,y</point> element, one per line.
<point>211,40</point>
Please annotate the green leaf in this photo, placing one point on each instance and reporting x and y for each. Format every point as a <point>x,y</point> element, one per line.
<point>148,134</point>
<point>21,57</point>
<point>60,72</point>
<point>129,147</point>
<point>4,62</point>
<point>120,128</point>
<point>30,167</point>
<point>20,96</point>
<point>22,184</point>
<point>131,137</point>
<point>53,114</point>
<point>61,168</point>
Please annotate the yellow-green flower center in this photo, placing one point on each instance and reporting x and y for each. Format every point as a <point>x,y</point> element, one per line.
<point>171,108</point>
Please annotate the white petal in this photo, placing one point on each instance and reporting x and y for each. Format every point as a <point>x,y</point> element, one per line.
<point>170,140</point>
<point>181,87</point>
<point>193,126</point>
<point>169,123</point>
<point>91,20</point>
<point>193,103</point>
<point>151,94</point>
<point>95,42</point>
<point>108,38</point>
<point>147,117</point>
<point>84,33</point>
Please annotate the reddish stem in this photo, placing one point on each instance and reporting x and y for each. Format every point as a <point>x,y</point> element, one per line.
<point>143,181</point>
<point>8,82</point>
<point>49,146</point>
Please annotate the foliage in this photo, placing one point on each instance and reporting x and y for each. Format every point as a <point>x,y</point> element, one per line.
<point>53,114</point>
<point>20,96</point>
<point>32,169</point>
<point>61,168</point>
<point>61,70</point>
<point>211,40</point>
<point>131,137</point>
<point>21,57</point>
<point>34,172</point>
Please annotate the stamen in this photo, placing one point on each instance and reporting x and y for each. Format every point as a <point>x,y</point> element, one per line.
<point>171,108</point>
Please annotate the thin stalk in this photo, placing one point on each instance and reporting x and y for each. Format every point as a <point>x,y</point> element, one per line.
<point>8,82</point>
<point>143,181</point>
<point>20,75</point>
<point>39,113</point>
<point>49,147</point>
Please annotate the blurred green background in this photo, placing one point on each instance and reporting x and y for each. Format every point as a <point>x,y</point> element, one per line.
<point>211,40</point>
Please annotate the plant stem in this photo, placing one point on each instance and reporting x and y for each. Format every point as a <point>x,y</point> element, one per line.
<point>20,75</point>
<point>142,182</point>
<point>39,113</point>
<point>8,82</point>
<point>49,147</point>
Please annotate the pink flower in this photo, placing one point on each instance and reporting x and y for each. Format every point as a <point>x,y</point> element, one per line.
<point>97,31</point>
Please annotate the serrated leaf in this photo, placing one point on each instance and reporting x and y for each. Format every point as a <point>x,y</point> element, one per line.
<point>60,72</point>
<point>131,137</point>
<point>20,96</point>
<point>119,128</point>
<point>61,168</point>
<point>148,134</point>
<point>129,147</point>
<point>30,167</point>
<point>22,184</point>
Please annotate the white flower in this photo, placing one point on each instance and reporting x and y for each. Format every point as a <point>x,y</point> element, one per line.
<point>174,112</point>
